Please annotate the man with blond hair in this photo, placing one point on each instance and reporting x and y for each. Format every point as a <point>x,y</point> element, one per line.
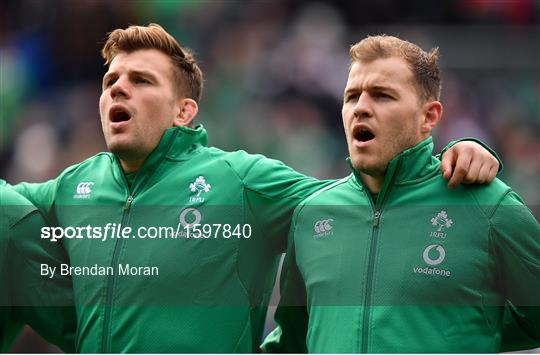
<point>388,259</point>
<point>204,285</point>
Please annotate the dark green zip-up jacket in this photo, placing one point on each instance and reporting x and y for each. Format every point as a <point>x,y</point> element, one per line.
<point>421,269</point>
<point>25,296</point>
<point>191,294</point>
<point>200,294</point>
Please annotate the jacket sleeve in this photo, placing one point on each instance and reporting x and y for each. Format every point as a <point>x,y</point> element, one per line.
<point>272,192</point>
<point>515,239</point>
<point>276,181</point>
<point>291,316</point>
<point>9,328</point>
<point>41,195</point>
<point>44,303</point>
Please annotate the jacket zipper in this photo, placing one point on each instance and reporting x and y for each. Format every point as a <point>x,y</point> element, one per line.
<point>375,228</point>
<point>105,346</point>
<point>111,281</point>
<point>369,283</point>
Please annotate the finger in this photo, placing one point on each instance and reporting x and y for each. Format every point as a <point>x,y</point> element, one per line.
<point>492,173</point>
<point>474,172</point>
<point>483,176</point>
<point>460,170</point>
<point>495,164</point>
<point>448,161</point>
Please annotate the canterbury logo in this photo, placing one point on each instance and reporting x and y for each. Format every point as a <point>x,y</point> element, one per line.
<point>84,189</point>
<point>323,227</point>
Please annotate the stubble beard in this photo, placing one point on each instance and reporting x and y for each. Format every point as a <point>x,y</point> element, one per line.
<point>389,151</point>
<point>123,149</point>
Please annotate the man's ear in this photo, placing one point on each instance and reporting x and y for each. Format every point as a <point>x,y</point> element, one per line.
<point>433,111</point>
<point>188,111</point>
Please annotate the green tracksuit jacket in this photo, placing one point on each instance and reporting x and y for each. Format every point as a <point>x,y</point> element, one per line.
<point>421,269</point>
<point>202,294</point>
<point>26,296</point>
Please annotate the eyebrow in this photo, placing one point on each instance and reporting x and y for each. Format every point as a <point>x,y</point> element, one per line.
<point>372,88</point>
<point>383,88</point>
<point>349,91</point>
<point>131,72</point>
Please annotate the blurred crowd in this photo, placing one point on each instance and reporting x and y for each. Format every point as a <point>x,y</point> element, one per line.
<point>274,76</point>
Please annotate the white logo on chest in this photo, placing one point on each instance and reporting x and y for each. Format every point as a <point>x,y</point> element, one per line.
<point>433,260</point>
<point>323,228</point>
<point>199,186</point>
<point>84,189</point>
<point>441,220</point>
<point>436,261</point>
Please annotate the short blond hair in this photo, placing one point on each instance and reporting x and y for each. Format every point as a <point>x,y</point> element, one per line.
<point>188,75</point>
<point>424,65</point>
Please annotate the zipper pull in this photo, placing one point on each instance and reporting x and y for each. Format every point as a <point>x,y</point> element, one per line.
<point>376,218</point>
<point>128,203</point>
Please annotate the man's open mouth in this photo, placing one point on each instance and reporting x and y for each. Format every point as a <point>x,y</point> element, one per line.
<point>119,115</point>
<point>363,134</point>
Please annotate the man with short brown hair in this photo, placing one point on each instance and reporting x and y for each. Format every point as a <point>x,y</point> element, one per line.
<point>188,77</point>
<point>388,260</point>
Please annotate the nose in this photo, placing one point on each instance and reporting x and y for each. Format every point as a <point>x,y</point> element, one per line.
<point>363,109</point>
<point>120,88</point>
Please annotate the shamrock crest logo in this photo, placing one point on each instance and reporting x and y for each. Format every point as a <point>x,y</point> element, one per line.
<point>199,185</point>
<point>442,220</point>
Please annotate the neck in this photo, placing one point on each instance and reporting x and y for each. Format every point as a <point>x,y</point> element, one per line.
<point>130,166</point>
<point>373,183</point>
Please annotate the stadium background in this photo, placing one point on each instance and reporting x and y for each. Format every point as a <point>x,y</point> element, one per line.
<point>274,77</point>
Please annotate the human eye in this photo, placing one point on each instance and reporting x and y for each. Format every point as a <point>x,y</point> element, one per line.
<point>140,80</point>
<point>383,95</point>
<point>109,81</point>
<point>351,97</point>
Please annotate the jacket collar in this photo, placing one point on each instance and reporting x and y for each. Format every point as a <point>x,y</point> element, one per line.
<point>177,143</point>
<point>185,141</point>
<point>411,165</point>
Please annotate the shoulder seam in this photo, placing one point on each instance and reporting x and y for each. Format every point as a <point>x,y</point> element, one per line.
<point>302,204</point>
<point>331,186</point>
<point>488,214</point>
<point>236,172</point>
<point>77,165</point>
